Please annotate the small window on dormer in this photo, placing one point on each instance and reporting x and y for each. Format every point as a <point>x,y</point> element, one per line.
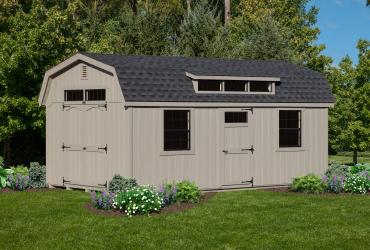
<point>258,86</point>
<point>209,85</point>
<point>236,86</point>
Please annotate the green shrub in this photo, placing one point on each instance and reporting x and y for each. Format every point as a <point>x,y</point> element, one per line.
<point>4,173</point>
<point>120,184</point>
<point>18,182</point>
<point>335,176</point>
<point>187,191</point>
<point>20,169</point>
<point>308,184</point>
<point>357,183</point>
<point>138,200</point>
<point>337,169</point>
<point>359,168</point>
<point>37,174</point>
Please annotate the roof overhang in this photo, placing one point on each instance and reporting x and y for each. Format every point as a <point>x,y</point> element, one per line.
<point>228,105</point>
<point>237,78</point>
<point>65,65</point>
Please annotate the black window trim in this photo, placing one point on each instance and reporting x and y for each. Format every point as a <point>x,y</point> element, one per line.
<point>247,88</point>
<point>84,95</point>
<point>300,129</point>
<point>190,149</point>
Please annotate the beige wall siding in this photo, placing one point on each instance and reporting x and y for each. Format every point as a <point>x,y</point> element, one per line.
<point>72,79</point>
<point>269,164</point>
<point>86,126</point>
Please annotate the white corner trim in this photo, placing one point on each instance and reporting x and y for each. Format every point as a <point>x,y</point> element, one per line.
<point>241,78</point>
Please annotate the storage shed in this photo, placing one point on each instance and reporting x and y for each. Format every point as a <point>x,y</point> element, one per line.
<point>220,123</point>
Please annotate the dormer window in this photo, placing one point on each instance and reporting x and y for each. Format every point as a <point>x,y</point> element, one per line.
<point>209,85</point>
<point>255,86</point>
<point>233,84</point>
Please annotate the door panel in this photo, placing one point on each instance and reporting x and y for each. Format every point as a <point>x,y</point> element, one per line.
<point>238,158</point>
<point>84,139</point>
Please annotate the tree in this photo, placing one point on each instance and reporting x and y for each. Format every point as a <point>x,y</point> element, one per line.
<point>349,121</point>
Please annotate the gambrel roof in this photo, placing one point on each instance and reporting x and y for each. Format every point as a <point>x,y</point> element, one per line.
<point>164,79</point>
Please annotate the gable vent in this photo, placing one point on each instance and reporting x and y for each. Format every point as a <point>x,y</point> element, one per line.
<point>84,72</point>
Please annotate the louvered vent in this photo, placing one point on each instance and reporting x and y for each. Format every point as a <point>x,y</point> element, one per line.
<point>84,72</point>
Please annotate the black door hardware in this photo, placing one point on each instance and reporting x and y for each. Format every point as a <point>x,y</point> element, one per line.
<point>65,181</point>
<point>104,185</point>
<point>105,148</point>
<point>64,147</point>
<point>249,149</point>
<point>250,181</point>
<point>225,151</point>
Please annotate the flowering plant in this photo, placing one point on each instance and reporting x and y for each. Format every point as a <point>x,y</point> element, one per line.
<point>19,182</point>
<point>102,200</point>
<point>334,183</point>
<point>138,200</point>
<point>169,193</point>
<point>357,183</point>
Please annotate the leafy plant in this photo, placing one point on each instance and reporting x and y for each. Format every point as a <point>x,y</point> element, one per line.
<point>308,184</point>
<point>20,169</point>
<point>18,182</point>
<point>357,183</point>
<point>37,174</point>
<point>102,200</point>
<point>120,184</point>
<point>138,200</point>
<point>359,168</point>
<point>4,173</point>
<point>187,191</point>
<point>337,169</point>
<point>169,193</point>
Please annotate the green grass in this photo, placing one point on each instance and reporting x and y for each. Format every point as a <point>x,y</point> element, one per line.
<point>348,159</point>
<point>230,220</point>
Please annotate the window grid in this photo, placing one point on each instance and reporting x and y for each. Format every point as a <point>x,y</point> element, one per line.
<point>73,95</point>
<point>290,131</point>
<point>95,95</point>
<point>176,130</point>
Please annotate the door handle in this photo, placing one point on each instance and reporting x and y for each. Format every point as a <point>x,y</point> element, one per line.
<point>248,149</point>
<point>225,151</point>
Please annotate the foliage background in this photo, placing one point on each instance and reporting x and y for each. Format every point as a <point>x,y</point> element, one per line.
<point>36,35</point>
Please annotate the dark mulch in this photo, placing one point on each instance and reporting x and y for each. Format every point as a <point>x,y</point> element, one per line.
<point>173,208</point>
<point>28,190</point>
<point>290,191</point>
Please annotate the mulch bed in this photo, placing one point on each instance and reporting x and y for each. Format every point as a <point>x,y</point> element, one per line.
<point>173,208</point>
<point>288,190</point>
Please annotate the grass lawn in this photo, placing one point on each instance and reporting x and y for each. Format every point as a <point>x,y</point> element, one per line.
<point>347,159</point>
<point>230,220</point>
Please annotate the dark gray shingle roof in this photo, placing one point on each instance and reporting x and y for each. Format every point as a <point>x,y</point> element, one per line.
<point>163,79</point>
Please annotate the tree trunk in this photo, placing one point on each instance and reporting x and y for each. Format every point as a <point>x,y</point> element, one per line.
<point>355,157</point>
<point>188,3</point>
<point>7,152</point>
<point>134,6</point>
<point>227,11</point>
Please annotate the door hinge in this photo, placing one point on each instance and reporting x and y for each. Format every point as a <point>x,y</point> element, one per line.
<point>105,148</point>
<point>225,151</point>
<point>250,181</point>
<point>64,147</point>
<point>248,149</point>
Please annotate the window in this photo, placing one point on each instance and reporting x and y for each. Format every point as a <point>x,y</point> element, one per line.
<point>73,95</point>
<point>95,94</point>
<point>290,128</point>
<point>260,86</point>
<point>176,130</point>
<point>238,86</point>
<point>209,85</point>
<point>236,117</point>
